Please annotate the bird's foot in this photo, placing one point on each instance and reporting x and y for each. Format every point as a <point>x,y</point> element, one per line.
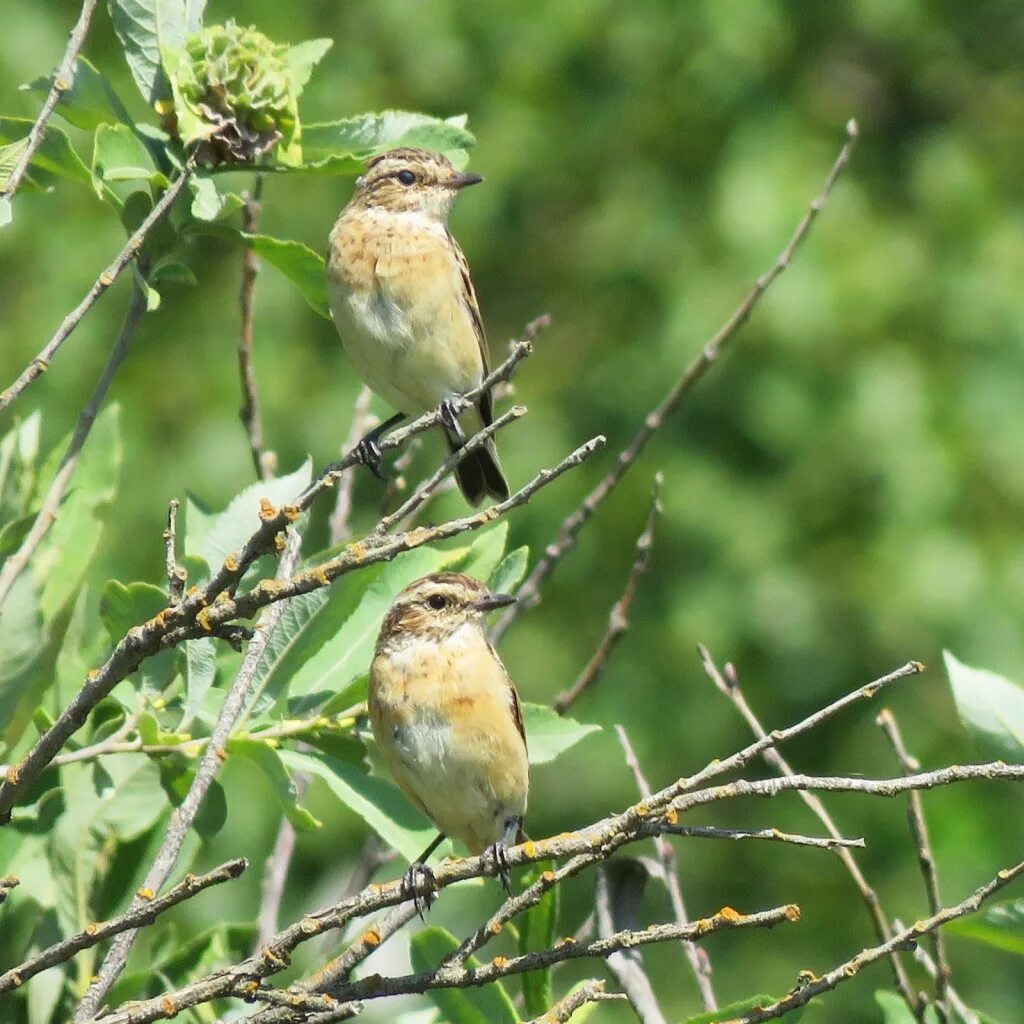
<point>498,852</point>
<point>368,454</point>
<point>419,882</point>
<point>449,410</point>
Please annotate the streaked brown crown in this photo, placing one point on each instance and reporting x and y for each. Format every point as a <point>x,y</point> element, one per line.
<point>408,179</point>
<point>433,607</point>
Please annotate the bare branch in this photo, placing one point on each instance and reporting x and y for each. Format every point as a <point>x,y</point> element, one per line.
<point>919,830</point>
<point>529,593</point>
<point>964,1012</point>
<point>618,617</point>
<point>275,872</point>
<point>131,250</point>
<point>182,817</point>
<point>16,563</point>
<point>145,912</point>
<point>808,988</point>
<point>588,992</point>
<point>730,687</point>
<point>339,522</point>
<point>771,835</point>
<point>265,462</point>
<point>700,962</point>
<point>619,890</point>
<point>176,574</point>
<point>62,82</point>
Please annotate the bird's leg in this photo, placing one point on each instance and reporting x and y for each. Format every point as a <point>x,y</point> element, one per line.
<point>499,851</point>
<point>449,410</point>
<point>368,452</point>
<point>418,881</point>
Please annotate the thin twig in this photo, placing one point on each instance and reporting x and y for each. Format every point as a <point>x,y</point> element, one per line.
<point>177,575</point>
<point>700,962</point>
<point>811,987</point>
<point>427,488</point>
<point>591,991</point>
<point>530,592</point>
<point>263,461</point>
<point>339,521</point>
<point>62,82</point>
<point>16,563</point>
<point>729,685</point>
<point>619,890</point>
<point>919,830</point>
<point>145,912</point>
<point>275,871</point>
<point>964,1012</point>
<point>182,817</point>
<point>131,250</point>
<point>618,617</point>
<point>771,835</point>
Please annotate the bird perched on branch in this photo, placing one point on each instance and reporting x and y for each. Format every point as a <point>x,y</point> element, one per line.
<point>403,301</point>
<point>446,717</point>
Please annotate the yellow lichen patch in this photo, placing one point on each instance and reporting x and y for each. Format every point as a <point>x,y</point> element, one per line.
<point>231,564</point>
<point>106,280</point>
<point>530,848</point>
<point>291,512</point>
<point>279,542</point>
<point>92,674</point>
<point>146,894</point>
<point>703,925</point>
<point>267,510</point>
<point>203,618</point>
<point>321,576</point>
<point>16,978</point>
<point>169,1006</point>
<point>371,937</point>
<point>672,816</point>
<point>11,775</point>
<point>92,929</point>
<point>548,876</point>
<point>728,914</point>
<point>850,970</point>
<point>494,928</point>
<point>222,754</point>
<point>189,880</point>
<point>192,592</point>
<point>568,941</point>
<point>805,978</point>
<point>310,926</point>
<point>919,666</point>
<point>792,912</point>
<point>355,550</point>
<point>499,962</point>
<point>269,954</point>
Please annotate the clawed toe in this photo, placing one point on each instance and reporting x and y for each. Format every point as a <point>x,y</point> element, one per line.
<point>368,453</point>
<point>419,882</point>
<point>449,410</point>
<point>498,852</point>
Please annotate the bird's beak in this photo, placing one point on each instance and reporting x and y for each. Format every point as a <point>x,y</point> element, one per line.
<point>461,179</point>
<point>490,601</point>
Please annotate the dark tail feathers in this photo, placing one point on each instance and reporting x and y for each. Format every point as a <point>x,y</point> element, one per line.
<point>479,474</point>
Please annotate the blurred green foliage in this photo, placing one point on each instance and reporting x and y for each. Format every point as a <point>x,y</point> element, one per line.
<point>843,492</point>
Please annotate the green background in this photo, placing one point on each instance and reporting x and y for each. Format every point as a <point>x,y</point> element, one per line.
<point>842,493</point>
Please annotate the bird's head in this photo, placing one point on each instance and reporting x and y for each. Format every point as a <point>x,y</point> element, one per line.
<point>411,180</point>
<point>435,606</point>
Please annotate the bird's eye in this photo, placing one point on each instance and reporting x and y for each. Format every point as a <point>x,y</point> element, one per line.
<point>437,601</point>
<point>406,177</point>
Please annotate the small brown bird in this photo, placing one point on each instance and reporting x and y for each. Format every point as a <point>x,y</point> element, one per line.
<point>446,716</point>
<point>403,301</point>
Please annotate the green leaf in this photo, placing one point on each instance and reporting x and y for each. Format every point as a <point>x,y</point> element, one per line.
<point>990,706</point>
<point>302,58</point>
<point>999,924</point>
<point>200,671</point>
<point>176,778</point>
<point>144,28</point>
<point>213,538</point>
<point>510,572</point>
<point>325,644</point>
<point>380,804</point>
<point>548,734</point>
<point>120,155</point>
<point>173,271</point>
<point>485,552</point>
<point>124,606</point>
<point>727,1013</point>
<point>21,638</point>
<point>269,762</point>
<point>55,154</point>
<point>89,102</point>
<point>355,138</point>
<point>303,267</point>
<point>62,559</point>
<point>537,930</point>
<point>488,1003</point>
<point>894,1008</point>
<point>208,202</point>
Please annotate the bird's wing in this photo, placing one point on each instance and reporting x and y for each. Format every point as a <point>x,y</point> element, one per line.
<point>472,307</point>
<point>513,694</point>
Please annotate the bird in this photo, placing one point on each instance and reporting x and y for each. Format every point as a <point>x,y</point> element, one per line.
<point>402,298</point>
<point>447,720</point>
